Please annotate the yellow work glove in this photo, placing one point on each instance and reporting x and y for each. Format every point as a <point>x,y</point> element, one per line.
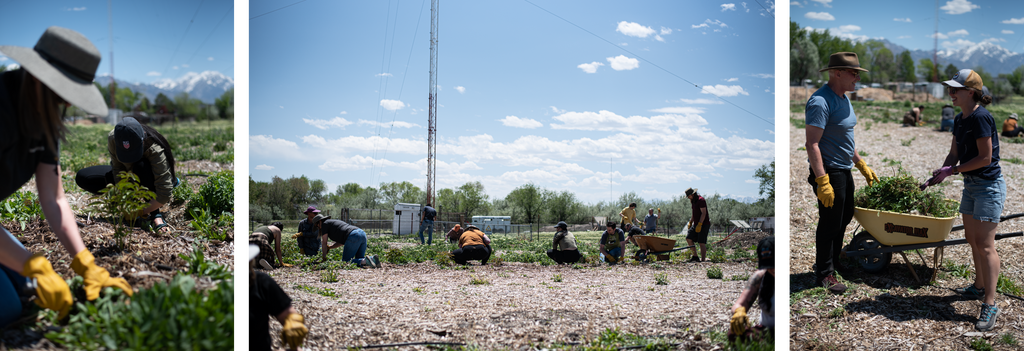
<point>297,235</point>
<point>866,171</point>
<point>825,193</point>
<point>286,265</point>
<point>96,277</point>
<point>52,291</point>
<point>699,225</point>
<point>738,323</point>
<point>294,332</point>
<point>611,259</point>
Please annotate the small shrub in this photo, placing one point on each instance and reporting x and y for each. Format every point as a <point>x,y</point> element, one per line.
<point>217,195</point>
<point>326,292</point>
<point>206,225</point>
<point>798,123</point>
<point>836,313</point>
<point>1013,160</point>
<point>958,270</point>
<point>661,279</point>
<point>740,278</point>
<point>716,254</point>
<point>1006,286</point>
<point>444,259</point>
<point>714,272</point>
<point>557,278</point>
<point>329,276</point>
<point>907,142</point>
<point>199,266</point>
<point>980,344</point>
<point>21,207</point>
<point>122,201</point>
<point>182,193</point>
<point>1007,339</point>
<point>474,280</point>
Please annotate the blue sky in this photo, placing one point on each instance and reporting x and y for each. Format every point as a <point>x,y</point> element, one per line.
<point>152,39</point>
<point>523,95</point>
<point>962,23</point>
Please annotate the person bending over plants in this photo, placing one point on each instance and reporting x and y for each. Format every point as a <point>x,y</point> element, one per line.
<point>56,73</point>
<point>140,149</point>
<point>564,245</point>
<point>266,299</point>
<point>612,244</point>
<point>306,236</point>
<point>473,245</point>
<point>343,234</point>
<point>262,237</point>
<point>760,288</point>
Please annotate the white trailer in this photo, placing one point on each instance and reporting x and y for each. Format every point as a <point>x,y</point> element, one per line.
<point>493,224</point>
<point>407,219</point>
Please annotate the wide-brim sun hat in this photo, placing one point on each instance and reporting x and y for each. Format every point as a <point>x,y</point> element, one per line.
<point>254,251</point>
<point>1013,115</point>
<point>319,217</point>
<point>966,78</point>
<point>843,60</point>
<point>66,62</point>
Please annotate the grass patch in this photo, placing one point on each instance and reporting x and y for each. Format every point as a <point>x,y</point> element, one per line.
<point>661,279</point>
<point>1007,339</point>
<point>798,123</point>
<point>980,344</point>
<point>557,278</point>
<point>327,292</point>
<point>908,141</point>
<point>715,272</point>
<point>474,280</point>
<point>740,278</point>
<point>1013,160</point>
<point>1006,286</point>
<point>21,207</point>
<point>958,270</point>
<point>716,254</point>
<point>199,266</point>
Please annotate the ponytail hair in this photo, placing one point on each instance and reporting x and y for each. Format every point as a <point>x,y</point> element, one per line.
<point>39,111</point>
<point>152,136</point>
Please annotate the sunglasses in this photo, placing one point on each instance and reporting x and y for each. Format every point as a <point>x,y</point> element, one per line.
<point>953,90</point>
<point>854,73</point>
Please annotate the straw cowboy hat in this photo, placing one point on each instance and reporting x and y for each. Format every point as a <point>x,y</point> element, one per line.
<point>843,60</point>
<point>66,62</point>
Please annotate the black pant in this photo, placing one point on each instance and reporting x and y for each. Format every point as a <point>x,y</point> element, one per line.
<point>832,221</point>
<point>95,178</point>
<point>1013,133</point>
<point>472,252</point>
<point>564,256</point>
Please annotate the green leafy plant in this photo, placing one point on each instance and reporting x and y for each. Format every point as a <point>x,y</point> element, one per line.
<point>740,277</point>
<point>199,266</point>
<point>167,316</point>
<point>181,193</point>
<point>557,278</point>
<point>907,142</point>
<point>958,270</point>
<point>1013,160</point>
<point>474,280</point>
<point>328,292</point>
<point>217,195</point>
<point>661,279</point>
<point>205,225</point>
<point>21,207</point>
<point>1007,339</point>
<point>122,201</point>
<point>901,193</point>
<point>716,254</point>
<point>715,272</point>
<point>980,344</point>
<point>1006,286</point>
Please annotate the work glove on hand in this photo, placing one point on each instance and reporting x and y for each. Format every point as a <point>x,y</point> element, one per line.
<point>52,291</point>
<point>286,265</point>
<point>294,332</point>
<point>738,323</point>
<point>96,277</point>
<point>940,174</point>
<point>699,225</point>
<point>825,193</point>
<point>297,235</point>
<point>866,171</point>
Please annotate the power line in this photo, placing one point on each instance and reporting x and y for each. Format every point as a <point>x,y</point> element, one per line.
<point>267,13</point>
<point>382,87</point>
<point>765,9</point>
<point>649,62</point>
<point>230,9</point>
<point>183,36</point>
<point>402,87</point>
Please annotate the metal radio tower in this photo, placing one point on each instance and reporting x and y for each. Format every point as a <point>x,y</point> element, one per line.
<point>432,104</point>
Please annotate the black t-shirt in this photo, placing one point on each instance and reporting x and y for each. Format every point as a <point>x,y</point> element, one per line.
<point>429,213</point>
<point>19,156</point>
<point>967,131</point>
<point>266,300</point>
<point>337,230</point>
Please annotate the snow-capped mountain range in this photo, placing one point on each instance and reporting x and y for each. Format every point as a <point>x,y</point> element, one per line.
<point>993,58</point>
<point>206,86</point>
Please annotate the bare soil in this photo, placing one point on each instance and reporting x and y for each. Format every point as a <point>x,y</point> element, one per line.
<point>889,310</point>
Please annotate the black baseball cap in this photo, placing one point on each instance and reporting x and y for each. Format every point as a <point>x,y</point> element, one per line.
<point>562,225</point>
<point>128,135</point>
<point>766,253</point>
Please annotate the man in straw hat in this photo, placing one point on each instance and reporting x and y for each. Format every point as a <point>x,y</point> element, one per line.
<point>1010,127</point>
<point>831,153</point>
<point>57,72</point>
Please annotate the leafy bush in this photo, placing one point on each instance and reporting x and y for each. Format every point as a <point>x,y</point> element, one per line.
<point>171,316</point>
<point>122,201</point>
<point>714,272</point>
<point>21,207</point>
<point>206,225</point>
<point>716,254</point>
<point>182,193</point>
<point>217,195</point>
<point>199,266</point>
<point>661,279</point>
<point>901,194</point>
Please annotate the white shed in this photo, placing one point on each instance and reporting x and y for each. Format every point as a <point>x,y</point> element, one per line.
<point>407,219</point>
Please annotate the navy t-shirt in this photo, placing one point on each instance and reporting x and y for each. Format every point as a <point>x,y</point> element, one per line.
<point>429,213</point>
<point>266,299</point>
<point>967,131</point>
<point>19,155</point>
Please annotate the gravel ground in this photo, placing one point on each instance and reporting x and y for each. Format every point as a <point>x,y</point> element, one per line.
<point>889,310</point>
<point>520,306</point>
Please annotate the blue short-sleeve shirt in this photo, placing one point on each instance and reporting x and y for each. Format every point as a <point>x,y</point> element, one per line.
<point>967,131</point>
<point>834,114</point>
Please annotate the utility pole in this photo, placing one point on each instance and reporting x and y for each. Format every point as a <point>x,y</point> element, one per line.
<point>432,103</point>
<point>110,30</point>
<point>935,47</point>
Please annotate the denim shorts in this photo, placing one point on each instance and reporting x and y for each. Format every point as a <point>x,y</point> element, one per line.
<point>983,198</point>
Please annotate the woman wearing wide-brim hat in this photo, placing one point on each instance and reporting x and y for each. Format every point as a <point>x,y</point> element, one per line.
<point>56,73</point>
<point>975,153</point>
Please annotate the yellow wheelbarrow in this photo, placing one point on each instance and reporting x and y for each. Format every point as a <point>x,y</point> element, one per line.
<point>652,245</point>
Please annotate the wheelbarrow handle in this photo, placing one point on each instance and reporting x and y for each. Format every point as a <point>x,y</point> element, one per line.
<point>1001,219</point>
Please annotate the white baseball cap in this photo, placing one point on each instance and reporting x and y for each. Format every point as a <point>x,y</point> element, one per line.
<point>251,252</point>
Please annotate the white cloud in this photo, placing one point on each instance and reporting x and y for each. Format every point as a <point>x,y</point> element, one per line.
<point>76,9</point>
<point>461,89</point>
<point>392,105</point>
<point>341,113</point>
<point>958,33</point>
<point>902,19</point>
<point>209,58</point>
<point>679,117</point>
<point>153,74</point>
<point>185,65</point>
<point>679,110</point>
<point>847,28</point>
<point>325,124</point>
<point>745,6</point>
<point>702,101</point>
<point>281,106</point>
<point>821,16</point>
<point>623,63</point>
<point>763,75</point>
<point>659,38</point>
<point>728,7</point>
<point>826,3</point>
<point>264,167</point>
<point>383,75</point>
<point>634,29</point>
<point>516,122</point>
<point>957,7</point>
<point>958,44</point>
<point>1014,20</point>
<point>556,110</point>
<point>940,35</point>
<point>590,67</point>
<point>174,67</point>
<point>398,124</point>
<point>796,3</point>
<point>267,145</point>
<point>350,144</point>
<point>751,181</point>
<point>708,23</point>
<point>722,90</point>
<point>994,40</point>
<point>666,31</point>
<point>732,80</point>
<point>903,37</point>
<point>1007,31</point>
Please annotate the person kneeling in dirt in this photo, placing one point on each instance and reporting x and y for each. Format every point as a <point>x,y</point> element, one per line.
<point>913,117</point>
<point>262,237</point>
<point>266,299</point>
<point>306,236</point>
<point>760,287</point>
<point>454,234</point>
<point>611,244</point>
<point>347,235</point>
<point>564,245</point>
<point>473,245</point>
<point>1010,127</point>
<point>31,129</point>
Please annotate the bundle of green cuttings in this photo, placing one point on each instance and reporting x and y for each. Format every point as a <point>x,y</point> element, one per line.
<point>902,194</point>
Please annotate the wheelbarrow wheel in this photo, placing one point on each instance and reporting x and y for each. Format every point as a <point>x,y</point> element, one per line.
<point>873,263</point>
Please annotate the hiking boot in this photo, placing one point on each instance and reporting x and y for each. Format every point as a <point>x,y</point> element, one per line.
<point>694,259</point>
<point>266,265</point>
<point>987,319</point>
<point>375,261</point>
<point>970,292</point>
<point>833,285</point>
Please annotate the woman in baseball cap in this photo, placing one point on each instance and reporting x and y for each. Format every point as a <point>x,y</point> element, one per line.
<point>763,287</point>
<point>975,153</point>
<point>57,72</point>
<point>140,149</point>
